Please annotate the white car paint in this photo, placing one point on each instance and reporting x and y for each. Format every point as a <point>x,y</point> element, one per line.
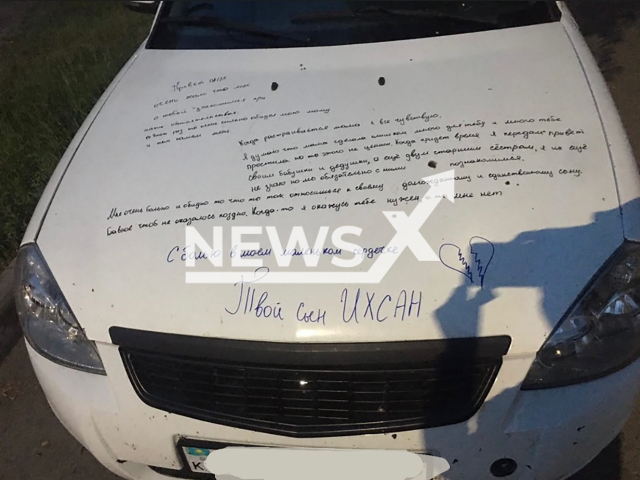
<point>125,279</point>
<point>118,171</point>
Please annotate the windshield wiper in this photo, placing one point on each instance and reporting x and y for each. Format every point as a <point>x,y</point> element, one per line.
<point>372,11</point>
<point>226,25</point>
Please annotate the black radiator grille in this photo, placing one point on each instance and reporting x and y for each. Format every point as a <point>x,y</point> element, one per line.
<point>312,401</point>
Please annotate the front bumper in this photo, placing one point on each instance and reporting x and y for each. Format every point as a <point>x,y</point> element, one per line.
<point>549,433</point>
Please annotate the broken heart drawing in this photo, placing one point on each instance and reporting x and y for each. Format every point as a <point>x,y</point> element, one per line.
<point>475,265</point>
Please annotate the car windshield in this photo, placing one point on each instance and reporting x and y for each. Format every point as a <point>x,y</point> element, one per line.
<point>246,24</point>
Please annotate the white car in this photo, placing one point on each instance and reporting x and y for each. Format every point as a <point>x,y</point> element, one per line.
<point>328,228</point>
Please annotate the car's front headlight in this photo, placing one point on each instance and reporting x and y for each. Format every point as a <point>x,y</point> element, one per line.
<point>47,321</point>
<point>601,332</point>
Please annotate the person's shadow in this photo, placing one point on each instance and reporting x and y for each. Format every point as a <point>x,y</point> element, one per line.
<point>485,269</point>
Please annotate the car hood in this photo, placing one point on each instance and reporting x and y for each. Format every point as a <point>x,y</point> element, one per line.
<point>334,137</point>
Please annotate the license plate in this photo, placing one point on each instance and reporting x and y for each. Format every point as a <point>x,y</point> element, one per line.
<point>195,452</point>
<point>195,455</point>
<point>195,458</point>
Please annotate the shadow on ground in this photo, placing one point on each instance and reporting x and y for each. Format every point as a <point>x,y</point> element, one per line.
<point>604,25</point>
<point>606,466</point>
